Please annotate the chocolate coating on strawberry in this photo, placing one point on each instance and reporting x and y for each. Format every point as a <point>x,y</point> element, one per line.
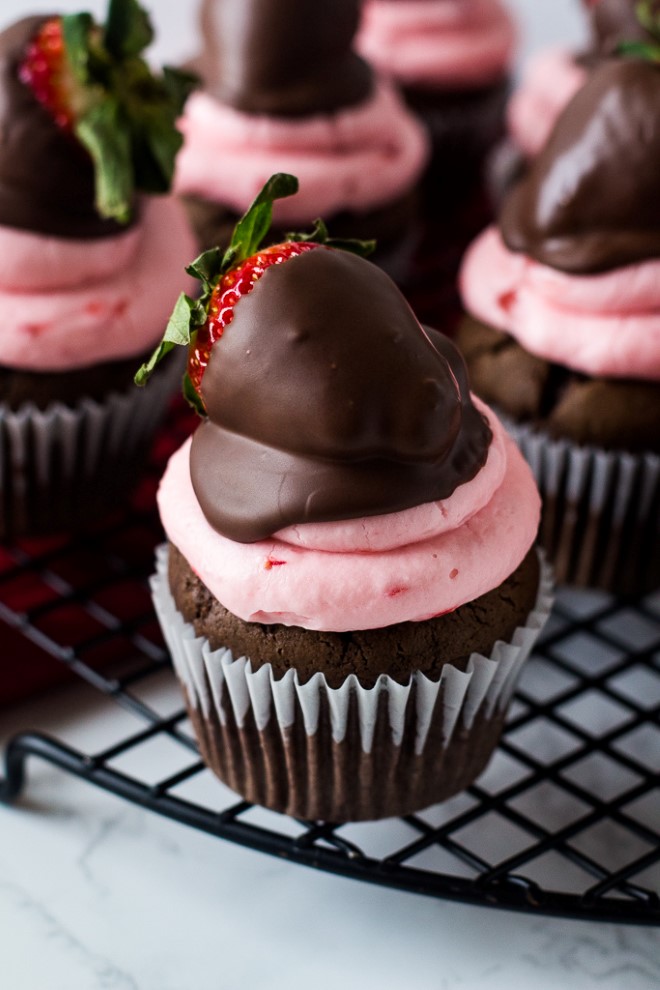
<point>614,22</point>
<point>282,57</point>
<point>591,201</point>
<point>47,180</point>
<point>326,400</point>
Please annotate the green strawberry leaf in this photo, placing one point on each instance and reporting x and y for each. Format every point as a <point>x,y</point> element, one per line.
<point>154,155</point>
<point>648,15</point>
<point>101,133</point>
<point>320,235</point>
<point>192,396</point>
<point>255,223</point>
<point>128,29</point>
<point>640,49</point>
<point>76,30</point>
<point>178,85</point>
<point>186,317</point>
<point>207,268</point>
<point>125,114</point>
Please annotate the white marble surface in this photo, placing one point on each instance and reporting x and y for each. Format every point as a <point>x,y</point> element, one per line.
<point>96,894</point>
<point>99,895</point>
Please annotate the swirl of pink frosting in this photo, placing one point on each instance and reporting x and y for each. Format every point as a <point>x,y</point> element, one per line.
<point>356,159</point>
<point>607,324</point>
<point>432,562</point>
<point>438,43</point>
<point>69,304</point>
<point>549,83</point>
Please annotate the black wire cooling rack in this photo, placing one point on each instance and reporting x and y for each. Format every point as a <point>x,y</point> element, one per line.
<point>565,821</point>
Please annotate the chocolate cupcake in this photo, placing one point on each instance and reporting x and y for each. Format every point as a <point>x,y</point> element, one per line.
<point>350,587</point>
<point>452,59</point>
<point>88,261</point>
<point>564,334</point>
<point>285,92</point>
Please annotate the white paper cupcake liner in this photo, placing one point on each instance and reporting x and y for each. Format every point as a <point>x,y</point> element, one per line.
<point>59,465</point>
<point>337,732</point>
<point>601,513</point>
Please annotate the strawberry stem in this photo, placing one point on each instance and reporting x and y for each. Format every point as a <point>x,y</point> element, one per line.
<point>125,115</point>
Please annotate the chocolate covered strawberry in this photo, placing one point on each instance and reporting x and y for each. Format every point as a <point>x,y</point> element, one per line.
<point>228,276</point>
<point>94,83</point>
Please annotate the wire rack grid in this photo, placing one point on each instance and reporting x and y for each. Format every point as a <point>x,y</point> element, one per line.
<point>565,821</point>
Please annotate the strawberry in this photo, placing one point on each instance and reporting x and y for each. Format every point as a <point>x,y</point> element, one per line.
<point>95,84</point>
<point>45,69</point>
<point>235,284</point>
<point>229,275</point>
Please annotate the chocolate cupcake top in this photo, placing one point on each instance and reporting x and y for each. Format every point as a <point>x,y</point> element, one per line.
<point>280,57</point>
<point>84,123</point>
<point>590,201</point>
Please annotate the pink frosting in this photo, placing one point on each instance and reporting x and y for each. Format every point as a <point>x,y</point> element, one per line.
<point>550,82</point>
<point>357,159</point>
<point>40,263</point>
<point>438,43</point>
<point>451,554</point>
<point>606,324</point>
<point>69,304</point>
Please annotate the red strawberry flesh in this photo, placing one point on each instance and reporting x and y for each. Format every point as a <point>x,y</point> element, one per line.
<point>45,70</point>
<point>235,284</point>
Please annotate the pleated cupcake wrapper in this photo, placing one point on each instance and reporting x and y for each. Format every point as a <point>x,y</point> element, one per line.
<point>218,683</point>
<point>47,455</point>
<point>601,515</point>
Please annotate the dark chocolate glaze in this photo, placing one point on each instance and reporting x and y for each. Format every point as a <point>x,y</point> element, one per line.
<point>591,200</point>
<point>281,57</point>
<point>613,22</point>
<point>327,400</point>
<point>46,176</point>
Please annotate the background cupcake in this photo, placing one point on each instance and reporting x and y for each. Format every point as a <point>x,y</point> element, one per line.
<point>349,537</point>
<point>87,263</point>
<point>553,77</point>
<point>284,92</point>
<point>452,59</point>
<point>564,334</point>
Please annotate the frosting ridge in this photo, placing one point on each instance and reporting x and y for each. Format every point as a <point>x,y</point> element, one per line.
<point>605,324</point>
<point>114,306</point>
<point>449,44</point>
<point>354,159</point>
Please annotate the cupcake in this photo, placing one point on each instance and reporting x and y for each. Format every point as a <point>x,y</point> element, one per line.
<point>350,586</point>
<point>553,77</point>
<point>88,262</point>
<point>563,335</point>
<point>284,92</point>
<point>452,58</point>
